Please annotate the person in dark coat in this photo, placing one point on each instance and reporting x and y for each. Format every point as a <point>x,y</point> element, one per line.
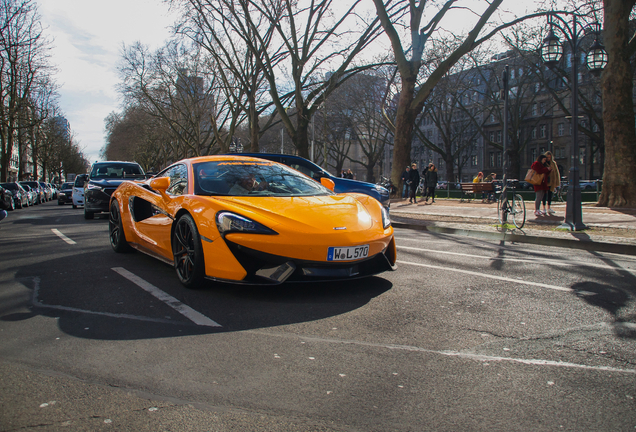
<point>431,181</point>
<point>541,166</point>
<point>405,182</point>
<point>414,178</point>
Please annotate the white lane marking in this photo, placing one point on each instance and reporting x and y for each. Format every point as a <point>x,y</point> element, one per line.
<point>194,316</point>
<point>469,356</point>
<point>62,236</point>
<point>550,261</point>
<point>38,303</point>
<point>487,276</point>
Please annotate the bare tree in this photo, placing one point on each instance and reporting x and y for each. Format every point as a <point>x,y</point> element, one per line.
<point>23,63</point>
<point>179,86</point>
<point>409,50</point>
<point>215,29</point>
<point>294,44</point>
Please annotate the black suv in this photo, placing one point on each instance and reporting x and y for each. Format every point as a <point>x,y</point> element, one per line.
<point>103,179</point>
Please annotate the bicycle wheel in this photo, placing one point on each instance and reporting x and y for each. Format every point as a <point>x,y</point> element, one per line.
<point>502,209</point>
<point>518,211</point>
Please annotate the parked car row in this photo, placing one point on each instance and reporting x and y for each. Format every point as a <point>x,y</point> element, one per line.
<point>28,193</point>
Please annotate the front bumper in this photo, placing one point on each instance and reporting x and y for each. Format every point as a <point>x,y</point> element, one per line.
<point>267,269</point>
<point>97,201</point>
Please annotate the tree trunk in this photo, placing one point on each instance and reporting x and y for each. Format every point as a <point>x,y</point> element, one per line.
<point>405,121</point>
<point>619,174</point>
<point>254,126</point>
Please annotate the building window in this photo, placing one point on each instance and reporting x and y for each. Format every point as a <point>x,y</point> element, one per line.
<point>561,129</point>
<point>534,109</point>
<point>533,133</point>
<point>533,154</point>
<point>542,107</point>
<point>492,159</point>
<point>498,136</point>
<point>492,137</point>
<point>582,155</point>
<point>474,160</point>
<point>498,159</point>
<point>542,131</point>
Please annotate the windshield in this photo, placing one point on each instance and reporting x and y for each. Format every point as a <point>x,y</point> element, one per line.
<point>238,178</point>
<point>11,186</point>
<point>79,181</point>
<point>67,186</point>
<point>116,170</point>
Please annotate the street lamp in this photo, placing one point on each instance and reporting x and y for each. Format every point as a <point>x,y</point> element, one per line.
<point>551,53</point>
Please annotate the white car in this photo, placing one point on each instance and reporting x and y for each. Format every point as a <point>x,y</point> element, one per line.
<point>78,190</point>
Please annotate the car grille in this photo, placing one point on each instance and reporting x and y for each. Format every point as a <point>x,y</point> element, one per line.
<point>307,271</point>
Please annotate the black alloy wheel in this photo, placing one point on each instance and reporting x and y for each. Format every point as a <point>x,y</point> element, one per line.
<point>116,230</point>
<point>188,253</point>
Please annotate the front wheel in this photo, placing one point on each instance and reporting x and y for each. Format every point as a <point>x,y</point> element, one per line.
<point>188,253</point>
<point>502,208</point>
<point>518,211</point>
<point>116,230</point>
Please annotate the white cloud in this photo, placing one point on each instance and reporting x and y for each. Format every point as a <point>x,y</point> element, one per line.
<point>88,37</point>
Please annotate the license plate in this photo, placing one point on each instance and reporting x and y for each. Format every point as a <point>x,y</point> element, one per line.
<point>347,253</point>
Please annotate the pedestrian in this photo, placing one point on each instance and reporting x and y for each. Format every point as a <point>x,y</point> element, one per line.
<point>349,174</point>
<point>343,174</point>
<point>479,178</point>
<point>405,182</point>
<point>414,179</point>
<point>554,181</point>
<point>539,166</point>
<point>431,181</point>
<point>489,179</point>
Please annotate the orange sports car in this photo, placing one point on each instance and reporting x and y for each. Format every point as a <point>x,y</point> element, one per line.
<point>252,221</point>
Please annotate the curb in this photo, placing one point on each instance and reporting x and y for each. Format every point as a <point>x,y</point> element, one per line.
<point>588,245</point>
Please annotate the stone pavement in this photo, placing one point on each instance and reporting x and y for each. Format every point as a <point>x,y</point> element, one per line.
<point>609,230</point>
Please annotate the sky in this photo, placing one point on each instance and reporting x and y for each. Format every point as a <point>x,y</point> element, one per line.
<point>87,39</point>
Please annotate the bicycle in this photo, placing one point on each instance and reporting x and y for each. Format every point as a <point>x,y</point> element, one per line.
<point>516,207</point>
<point>562,192</point>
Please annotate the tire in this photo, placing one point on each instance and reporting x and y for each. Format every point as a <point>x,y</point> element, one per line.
<point>188,253</point>
<point>500,210</point>
<point>519,212</point>
<point>88,215</point>
<point>116,230</point>
<point>74,206</point>
<point>60,203</point>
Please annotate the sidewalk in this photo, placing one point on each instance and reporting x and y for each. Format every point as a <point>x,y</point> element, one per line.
<point>609,230</point>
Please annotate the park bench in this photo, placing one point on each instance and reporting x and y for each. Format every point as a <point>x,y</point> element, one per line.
<point>470,189</point>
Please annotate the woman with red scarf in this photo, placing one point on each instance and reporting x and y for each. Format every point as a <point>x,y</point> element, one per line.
<point>540,168</point>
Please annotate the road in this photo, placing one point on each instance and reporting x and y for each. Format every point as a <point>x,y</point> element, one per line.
<point>467,335</point>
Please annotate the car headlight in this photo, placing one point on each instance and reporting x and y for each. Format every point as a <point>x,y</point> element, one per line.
<point>386,220</point>
<point>228,222</point>
<point>95,187</point>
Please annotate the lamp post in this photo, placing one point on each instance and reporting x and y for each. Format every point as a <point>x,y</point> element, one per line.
<point>596,60</point>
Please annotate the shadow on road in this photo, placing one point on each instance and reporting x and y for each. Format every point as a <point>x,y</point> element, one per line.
<point>92,301</point>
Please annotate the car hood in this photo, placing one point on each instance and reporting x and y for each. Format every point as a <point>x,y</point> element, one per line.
<point>306,214</point>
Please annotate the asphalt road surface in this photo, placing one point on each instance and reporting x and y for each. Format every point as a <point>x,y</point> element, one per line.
<point>467,335</point>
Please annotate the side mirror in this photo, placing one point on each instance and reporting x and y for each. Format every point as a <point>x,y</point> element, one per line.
<point>328,183</point>
<point>160,184</point>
